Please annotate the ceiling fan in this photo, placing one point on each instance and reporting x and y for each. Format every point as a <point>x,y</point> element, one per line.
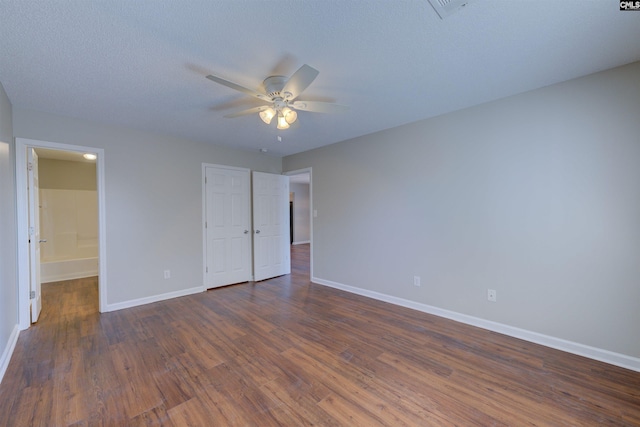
<point>280,97</point>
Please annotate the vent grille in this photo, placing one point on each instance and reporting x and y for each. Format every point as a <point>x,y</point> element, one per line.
<point>445,8</point>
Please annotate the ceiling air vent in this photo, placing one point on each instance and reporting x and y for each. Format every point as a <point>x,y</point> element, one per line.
<point>445,8</point>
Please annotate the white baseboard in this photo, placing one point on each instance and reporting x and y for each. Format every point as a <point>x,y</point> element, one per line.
<point>303,242</point>
<point>68,269</point>
<point>154,298</point>
<point>599,354</point>
<point>69,276</point>
<point>8,351</point>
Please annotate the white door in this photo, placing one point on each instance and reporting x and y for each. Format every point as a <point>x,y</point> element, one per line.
<point>271,247</point>
<point>34,235</point>
<point>227,226</point>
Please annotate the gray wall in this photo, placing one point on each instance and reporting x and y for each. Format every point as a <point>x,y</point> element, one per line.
<point>301,226</point>
<point>8,250</point>
<point>536,196</point>
<point>153,199</point>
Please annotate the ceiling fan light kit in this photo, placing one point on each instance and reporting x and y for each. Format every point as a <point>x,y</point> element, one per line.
<point>280,94</point>
<point>286,116</point>
<point>282,123</point>
<point>267,115</point>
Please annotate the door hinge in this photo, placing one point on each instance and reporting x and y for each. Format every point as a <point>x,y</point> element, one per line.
<point>206,269</point>
<point>29,166</point>
<point>32,295</point>
<point>206,225</point>
<point>205,179</point>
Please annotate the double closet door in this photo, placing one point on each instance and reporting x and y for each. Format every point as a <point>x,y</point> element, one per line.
<point>246,225</point>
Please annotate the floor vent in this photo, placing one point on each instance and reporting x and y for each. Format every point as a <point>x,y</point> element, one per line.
<point>445,8</point>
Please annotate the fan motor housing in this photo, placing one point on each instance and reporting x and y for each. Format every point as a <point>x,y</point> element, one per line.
<point>273,86</point>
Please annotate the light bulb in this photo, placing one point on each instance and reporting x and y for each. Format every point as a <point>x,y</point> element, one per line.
<point>267,115</point>
<point>90,156</point>
<point>289,115</point>
<point>282,122</point>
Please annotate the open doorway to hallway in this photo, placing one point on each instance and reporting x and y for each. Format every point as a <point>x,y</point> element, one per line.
<point>301,218</point>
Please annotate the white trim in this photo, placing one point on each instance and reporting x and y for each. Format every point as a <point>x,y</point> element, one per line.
<point>8,351</point>
<point>204,220</point>
<point>154,298</point>
<point>308,170</point>
<point>69,276</point>
<point>68,269</point>
<point>22,222</point>
<point>304,242</point>
<point>599,354</point>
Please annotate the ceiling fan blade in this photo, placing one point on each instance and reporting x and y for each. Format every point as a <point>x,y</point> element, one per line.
<point>284,65</point>
<point>299,81</point>
<point>247,112</point>
<point>237,87</point>
<point>319,107</point>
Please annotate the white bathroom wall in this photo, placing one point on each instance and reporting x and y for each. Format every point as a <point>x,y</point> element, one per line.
<point>69,223</point>
<point>68,219</point>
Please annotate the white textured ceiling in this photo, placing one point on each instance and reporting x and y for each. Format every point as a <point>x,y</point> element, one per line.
<point>142,64</point>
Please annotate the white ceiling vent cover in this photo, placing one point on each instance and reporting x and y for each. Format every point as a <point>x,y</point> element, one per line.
<point>445,8</point>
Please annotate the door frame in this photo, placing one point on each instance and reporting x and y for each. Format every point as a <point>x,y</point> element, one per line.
<point>204,219</point>
<point>310,172</point>
<point>22,145</point>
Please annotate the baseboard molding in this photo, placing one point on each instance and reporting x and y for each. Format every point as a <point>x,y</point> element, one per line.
<point>8,351</point>
<point>69,276</point>
<point>601,355</point>
<point>154,298</point>
<point>303,242</point>
<point>68,269</point>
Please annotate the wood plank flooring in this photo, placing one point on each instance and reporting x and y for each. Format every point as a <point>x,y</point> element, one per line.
<point>285,352</point>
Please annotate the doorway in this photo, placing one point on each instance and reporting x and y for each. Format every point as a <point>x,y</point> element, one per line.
<point>28,283</point>
<point>68,213</point>
<point>301,197</point>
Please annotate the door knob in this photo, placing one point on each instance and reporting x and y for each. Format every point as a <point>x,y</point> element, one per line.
<point>246,231</point>
<point>42,241</point>
<point>257,231</point>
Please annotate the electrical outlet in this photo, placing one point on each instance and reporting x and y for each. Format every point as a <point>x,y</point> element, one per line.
<point>416,280</point>
<point>167,274</point>
<point>492,295</point>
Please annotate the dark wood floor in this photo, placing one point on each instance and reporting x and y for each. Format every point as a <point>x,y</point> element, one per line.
<point>285,352</point>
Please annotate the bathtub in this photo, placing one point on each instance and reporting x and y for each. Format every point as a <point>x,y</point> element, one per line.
<point>67,269</point>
